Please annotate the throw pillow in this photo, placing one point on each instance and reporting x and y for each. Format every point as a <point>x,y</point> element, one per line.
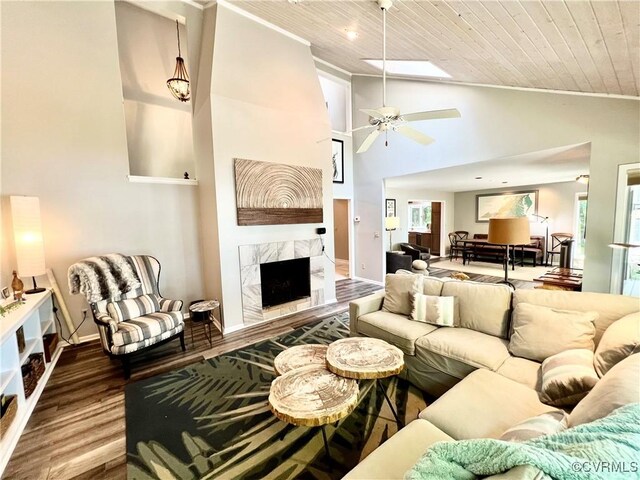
<point>619,387</point>
<point>543,424</point>
<point>540,332</point>
<point>398,292</point>
<point>434,310</point>
<point>620,340</point>
<point>133,307</point>
<point>419,265</point>
<point>567,377</point>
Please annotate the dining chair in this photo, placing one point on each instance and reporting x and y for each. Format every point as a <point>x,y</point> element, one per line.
<point>454,248</point>
<point>557,239</point>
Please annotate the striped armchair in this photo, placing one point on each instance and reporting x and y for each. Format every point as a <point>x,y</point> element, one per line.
<point>136,320</point>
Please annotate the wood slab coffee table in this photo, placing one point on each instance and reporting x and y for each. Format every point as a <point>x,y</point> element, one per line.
<point>366,358</point>
<point>312,396</point>
<point>300,356</point>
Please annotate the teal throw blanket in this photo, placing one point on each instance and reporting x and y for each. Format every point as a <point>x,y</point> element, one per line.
<point>608,449</point>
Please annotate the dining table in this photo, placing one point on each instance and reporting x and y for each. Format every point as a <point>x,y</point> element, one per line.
<point>481,242</point>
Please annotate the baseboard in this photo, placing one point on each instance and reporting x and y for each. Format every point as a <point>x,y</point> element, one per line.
<point>368,280</point>
<point>83,339</point>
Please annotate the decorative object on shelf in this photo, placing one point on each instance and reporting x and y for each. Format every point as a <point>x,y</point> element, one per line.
<point>27,232</point>
<point>391,224</point>
<point>8,409</point>
<point>29,380</point>
<point>276,194</point>
<point>186,175</point>
<point>5,309</point>
<point>506,204</point>
<point>509,231</point>
<point>5,293</point>
<point>390,207</point>
<point>17,286</point>
<point>50,342</point>
<point>179,83</point>
<point>36,361</point>
<point>337,160</point>
<point>20,339</point>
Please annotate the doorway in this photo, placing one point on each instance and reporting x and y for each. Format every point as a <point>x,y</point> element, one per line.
<point>341,238</point>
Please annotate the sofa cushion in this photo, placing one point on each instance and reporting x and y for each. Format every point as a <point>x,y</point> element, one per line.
<point>539,332</point>
<point>609,307</point>
<point>484,307</point>
<point>483,405</point>
<point>567,377</point>
<point>534,427</point>
<point>398,292</point>
<point>521,370</point>
<point>619,387</point>
<point>433,309</point>
<point>149,326</point>
<point>393,328</point>
<point>399,453</point>
<point>620,340</point>
<point>459,351</point>
<point>433,285</point>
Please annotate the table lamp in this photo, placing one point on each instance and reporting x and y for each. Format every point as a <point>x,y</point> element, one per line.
<point>391,224</point>
<point>509,231</point>
<point>27,232</point>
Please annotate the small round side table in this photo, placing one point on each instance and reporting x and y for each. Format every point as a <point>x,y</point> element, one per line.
<point>207,308</point>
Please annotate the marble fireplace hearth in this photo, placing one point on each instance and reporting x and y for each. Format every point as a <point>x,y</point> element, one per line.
<point>251,256</point>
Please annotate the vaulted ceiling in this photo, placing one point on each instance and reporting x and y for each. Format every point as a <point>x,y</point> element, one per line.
<point>575,45</point>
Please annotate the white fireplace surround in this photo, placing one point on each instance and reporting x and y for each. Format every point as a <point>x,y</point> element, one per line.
<point>251,256</point>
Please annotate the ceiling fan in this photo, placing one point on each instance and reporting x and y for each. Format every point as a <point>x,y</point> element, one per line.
<point>388,118</point>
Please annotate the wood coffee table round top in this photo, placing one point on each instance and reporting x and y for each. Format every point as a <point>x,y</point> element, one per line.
<point>364,358</point>
<point>300,356</point>
<point>312,396</point>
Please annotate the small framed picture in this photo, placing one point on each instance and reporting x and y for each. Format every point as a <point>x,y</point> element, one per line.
<point>5,292</point>
<point>390,207</point>
<point>337,160</point>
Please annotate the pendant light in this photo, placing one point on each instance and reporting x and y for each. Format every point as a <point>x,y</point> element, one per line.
<point>179,83</point>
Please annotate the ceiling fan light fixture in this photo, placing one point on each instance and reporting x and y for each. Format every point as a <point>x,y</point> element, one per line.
<point>413,68</point>
<point>352,34</point>
<point>178,84</point>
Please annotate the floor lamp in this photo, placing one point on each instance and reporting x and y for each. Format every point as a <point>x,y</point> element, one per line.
<point>509,231</point>
<point>546,235</point>
<point>391,224</point>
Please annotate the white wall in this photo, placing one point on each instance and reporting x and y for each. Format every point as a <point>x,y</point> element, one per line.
<point>555,200</point>
<point>403,196</point>
<point>495,123</point>
<point>64,141</point>
<point>266,104</point>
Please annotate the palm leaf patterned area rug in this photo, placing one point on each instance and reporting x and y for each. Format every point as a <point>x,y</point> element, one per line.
<point>211,419</point>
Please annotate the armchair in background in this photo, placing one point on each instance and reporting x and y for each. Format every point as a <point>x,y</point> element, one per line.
<point>416,252</point>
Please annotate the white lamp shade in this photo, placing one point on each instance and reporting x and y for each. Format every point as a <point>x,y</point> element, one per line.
<point>27,232</point>
<point>391,223</point>
<point>509,231</point>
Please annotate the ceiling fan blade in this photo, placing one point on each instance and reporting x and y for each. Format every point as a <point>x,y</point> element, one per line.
<point>414,135</point>
<point>368,141</point>
<point>372,113</point>
<point>363,128</point>
<point>431,115</point>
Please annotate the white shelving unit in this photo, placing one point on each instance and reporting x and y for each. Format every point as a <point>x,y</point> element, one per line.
<point>37,319</point>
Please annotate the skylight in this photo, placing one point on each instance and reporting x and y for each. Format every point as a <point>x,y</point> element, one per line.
<point>415,68</point>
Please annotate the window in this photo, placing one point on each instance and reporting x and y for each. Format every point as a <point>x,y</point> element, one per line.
<point>625,272</point>
<point>580,229</point>
<point>420,216</point>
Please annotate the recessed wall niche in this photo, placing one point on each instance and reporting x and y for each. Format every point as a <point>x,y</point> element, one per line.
<point>158,126</point>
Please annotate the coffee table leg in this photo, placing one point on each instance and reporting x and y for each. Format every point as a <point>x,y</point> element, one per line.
<point>326,444</point>
<point>393,410</point>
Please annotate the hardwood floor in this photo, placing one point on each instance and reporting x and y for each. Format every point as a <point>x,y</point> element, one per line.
<point>77,430</point>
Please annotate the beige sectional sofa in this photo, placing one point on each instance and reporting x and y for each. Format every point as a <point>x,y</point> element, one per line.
<point>483,389</point>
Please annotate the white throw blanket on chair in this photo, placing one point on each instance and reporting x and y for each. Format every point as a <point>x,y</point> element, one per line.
<point>103,277</point>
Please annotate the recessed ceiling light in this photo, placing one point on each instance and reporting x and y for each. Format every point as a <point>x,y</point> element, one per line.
<point>352,34</point>
<point>416,68</point>
<point>478,178</point>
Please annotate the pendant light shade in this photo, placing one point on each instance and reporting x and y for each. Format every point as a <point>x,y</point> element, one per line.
<point>179,83</point>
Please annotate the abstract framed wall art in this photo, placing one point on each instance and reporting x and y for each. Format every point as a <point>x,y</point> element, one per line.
<point>277,194</point>
<point>337,160</point>
<point>390,207</point>
<point>506,204</point>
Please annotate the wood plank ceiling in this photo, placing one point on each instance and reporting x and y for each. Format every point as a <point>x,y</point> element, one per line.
<point>574,45</point>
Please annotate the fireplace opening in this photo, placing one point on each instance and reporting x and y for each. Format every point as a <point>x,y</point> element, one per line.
<point>284,281</point>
